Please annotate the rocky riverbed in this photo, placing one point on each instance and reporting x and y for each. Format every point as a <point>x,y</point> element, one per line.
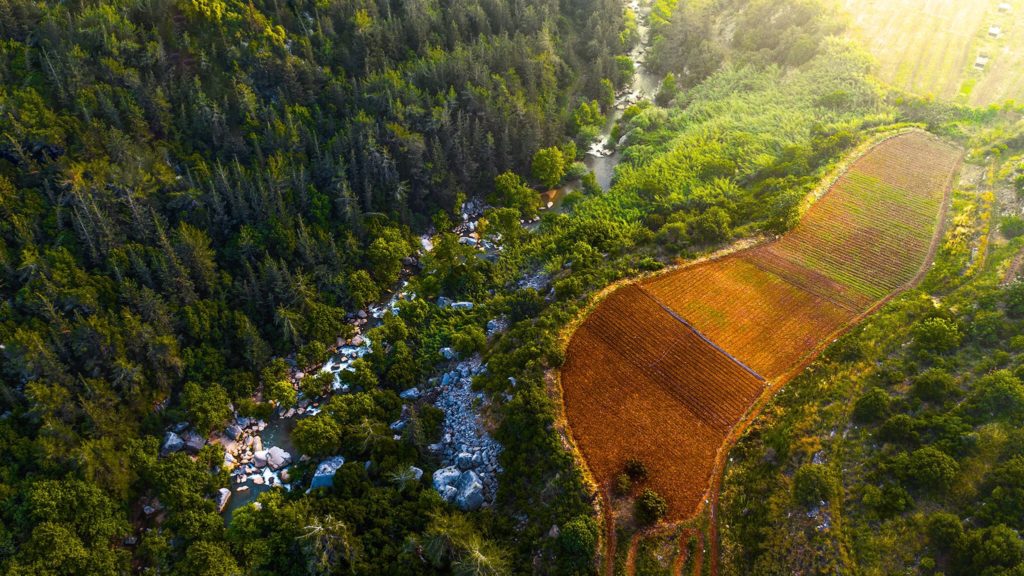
<point>470,475</point>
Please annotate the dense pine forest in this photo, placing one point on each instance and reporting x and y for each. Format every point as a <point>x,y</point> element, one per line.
<point>202,199</point>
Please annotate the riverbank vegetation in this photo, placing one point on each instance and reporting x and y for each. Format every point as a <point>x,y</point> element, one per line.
<point>197,197</point>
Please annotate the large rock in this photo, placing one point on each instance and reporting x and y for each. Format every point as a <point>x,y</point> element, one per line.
<point>324,476</point>
<point>445,477</point>
<point>447,352</point>
<point>259,458</point>
<point>410,394</point>
<point>234,431</point>
<point>417,473</point>
<point>278,458</point>
<point>462,306</point>
<point>223,495</point>
<point>172,443</point>
<point>194,441</point>
<point>470,491</point>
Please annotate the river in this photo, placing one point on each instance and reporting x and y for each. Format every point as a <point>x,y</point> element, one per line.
<point>601,158</point>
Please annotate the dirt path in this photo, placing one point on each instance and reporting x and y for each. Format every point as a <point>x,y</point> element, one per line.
<point>683,556</point>
<point>1014,270</point>
<point>714,489</point>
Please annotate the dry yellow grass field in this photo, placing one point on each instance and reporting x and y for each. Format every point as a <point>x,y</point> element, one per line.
<point>930,47</point>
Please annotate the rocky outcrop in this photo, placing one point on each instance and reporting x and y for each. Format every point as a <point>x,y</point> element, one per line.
<point>324,475</point>
<point>465,445</point>
<point>223,496</point>
<point>172,443</point>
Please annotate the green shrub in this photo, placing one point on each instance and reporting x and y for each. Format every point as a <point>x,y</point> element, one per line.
<point>933,385</point>
<point>927,468</point>
<point>871,407</point>
<point>814,483</point>
<point>636,469</point>
<point>1012,226</point>
<point>650,507</point>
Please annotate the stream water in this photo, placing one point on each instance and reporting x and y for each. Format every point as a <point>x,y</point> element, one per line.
<point>601,158</point>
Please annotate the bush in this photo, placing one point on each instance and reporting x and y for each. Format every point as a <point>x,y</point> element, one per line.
<point>933,385</point>
<point>946,532</point>
<point>576,544</point>
<point>469,340</point>
<point>999,395</point>
<point>650,507</point>
<point>813,483</point>
<point>900,428</point>
<point>622,485</point>
<point>871,407</point>
<point>1012,226</point>
<point>927,468</point>
<point>887,501</point>
<point>636,469</point>
<point>936,335</point>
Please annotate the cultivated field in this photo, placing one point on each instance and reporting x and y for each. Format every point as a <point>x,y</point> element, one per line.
<point>640,383</point>
<point>662,370</point>
<point>930,47</point>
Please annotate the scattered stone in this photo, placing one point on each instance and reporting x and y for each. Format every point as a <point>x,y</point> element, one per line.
<point>470,491</point>
<point>194,441</point>
<point>223,495</point>
<point>242,489</point>
<point>417,473</point>
<point>447,352</point>
<point>172,443</point>
<point>410,394</point>
<point>361,314</point>
<point>278,458</point>
<point>257,480</point>
<point>324,475</point>
<point>259,459</point>
<point>443,302</point>
<point>180,427</point>
<point>234,431</point>
<point>462,306</point>
<point>397,425</point>
<point>445,477</point>
<point>464,461</point>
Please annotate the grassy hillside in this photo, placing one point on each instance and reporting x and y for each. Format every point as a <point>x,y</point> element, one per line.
<point>930,47</point>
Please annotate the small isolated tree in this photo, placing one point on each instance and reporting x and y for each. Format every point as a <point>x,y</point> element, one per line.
<point>622,484</point>
<point>936,335</point>
<point>667,91</point>
<point>636,469</point>
<point>871,407</point>
<point>814,483</point>
<point>208,406</point>
<point>927,468</point>
<point>318,436</point>
<point>933,385</point>
<point>549,166</point>
<point>650,507</point>
<point>361,288</point>
<point>281,392</point>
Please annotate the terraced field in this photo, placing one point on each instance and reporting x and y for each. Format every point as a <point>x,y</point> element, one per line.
<point>664,369</point>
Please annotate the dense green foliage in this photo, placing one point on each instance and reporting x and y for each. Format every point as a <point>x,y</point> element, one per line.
<point>191,188</point>
<point>911,426</point>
